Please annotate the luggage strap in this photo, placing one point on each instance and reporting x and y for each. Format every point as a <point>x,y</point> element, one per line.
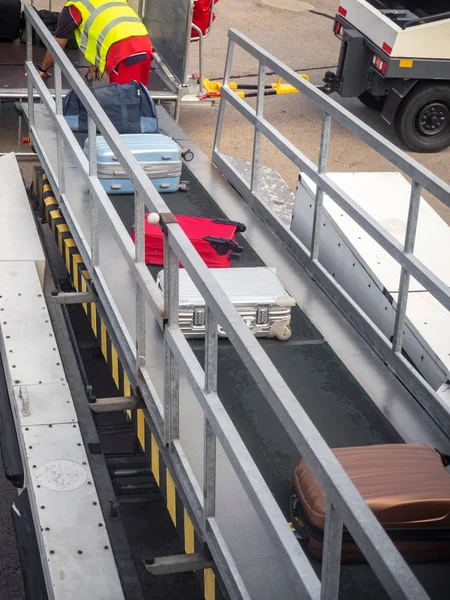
<point>123,107</point>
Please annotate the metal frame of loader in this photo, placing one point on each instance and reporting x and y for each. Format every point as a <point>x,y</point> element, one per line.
<point>345,505</point>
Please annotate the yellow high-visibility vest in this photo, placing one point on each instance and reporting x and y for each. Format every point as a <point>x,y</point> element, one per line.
<point>104,23</point>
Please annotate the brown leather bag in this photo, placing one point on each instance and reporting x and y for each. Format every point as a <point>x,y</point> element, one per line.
<point>405,485</point>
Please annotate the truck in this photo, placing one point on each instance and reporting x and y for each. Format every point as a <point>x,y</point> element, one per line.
<point>148,464</point>
<point>395,58</point>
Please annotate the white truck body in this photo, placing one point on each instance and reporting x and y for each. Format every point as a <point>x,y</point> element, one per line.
<point>427,41</point>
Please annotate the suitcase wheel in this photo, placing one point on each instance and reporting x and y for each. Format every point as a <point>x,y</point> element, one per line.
<point>187,155</point>
<point>281,331</point>
<point>285,334</point>
<point>184,186</point>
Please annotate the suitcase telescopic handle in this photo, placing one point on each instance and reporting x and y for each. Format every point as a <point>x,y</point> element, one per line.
<point>223,245</point>
<point>240,227</point>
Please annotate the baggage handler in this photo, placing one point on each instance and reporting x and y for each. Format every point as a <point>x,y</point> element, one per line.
<point>110,35</point>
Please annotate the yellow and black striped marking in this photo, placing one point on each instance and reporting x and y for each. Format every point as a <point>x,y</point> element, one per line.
<point>49,210</point>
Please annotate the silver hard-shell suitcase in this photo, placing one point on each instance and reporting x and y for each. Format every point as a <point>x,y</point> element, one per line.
<point>256,292</point>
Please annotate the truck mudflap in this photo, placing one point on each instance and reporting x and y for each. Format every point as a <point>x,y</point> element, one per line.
<point>399,90</point>
<point>354,62</point>
<point>12,460</point>
<point>27,544</point>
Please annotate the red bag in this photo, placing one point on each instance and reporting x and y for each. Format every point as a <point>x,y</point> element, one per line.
<point>202,16</point>
<point>214,240</point>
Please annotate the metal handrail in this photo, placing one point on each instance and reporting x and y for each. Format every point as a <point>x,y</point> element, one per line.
<point>411,266</point>
<point>345,505</point>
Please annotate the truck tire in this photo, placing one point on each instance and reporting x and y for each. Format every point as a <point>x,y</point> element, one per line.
<point>372,102</point>
<point>423,119</point>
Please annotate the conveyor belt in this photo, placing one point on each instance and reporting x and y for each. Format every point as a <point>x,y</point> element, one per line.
<point>338,406</point>
<point>341,409</point>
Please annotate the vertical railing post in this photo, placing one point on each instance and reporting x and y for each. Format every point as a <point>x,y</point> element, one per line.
<point>171,369</point>
<point>141,326</point>
<point>92,141</point>
<point>209,454</point>
<point>226,81</point>
<point>410,241</point>
<point>331,560</point>
<point>29,29</point>
<point>257,137</point>
<point>323,160</point>
<point>59,139</point>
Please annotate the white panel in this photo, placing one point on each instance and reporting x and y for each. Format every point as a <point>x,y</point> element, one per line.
<point>355,272</point>
<point>74,535</point>
<point>432,321</point>
<point>117,274</point>
<point>424,41</point>
<point>73,542</point>
<point>29,360</point>
<point>19,239</point>
<point>256,558</point>
<point>385,197</point>
<point>44,404</point>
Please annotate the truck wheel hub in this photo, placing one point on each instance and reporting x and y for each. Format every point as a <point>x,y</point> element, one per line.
<point>433,119</point>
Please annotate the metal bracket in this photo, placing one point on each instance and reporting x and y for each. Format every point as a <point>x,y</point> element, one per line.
<point>121,403</point>
<point>179,563</point>
<point>74,297</point>
<point>331,83</point>
<point>166,219</point>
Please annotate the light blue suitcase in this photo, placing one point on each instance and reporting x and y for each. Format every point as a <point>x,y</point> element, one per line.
<point>159,156</point>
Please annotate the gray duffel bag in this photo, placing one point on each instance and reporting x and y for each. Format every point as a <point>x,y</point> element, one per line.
<point>129,107</point>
